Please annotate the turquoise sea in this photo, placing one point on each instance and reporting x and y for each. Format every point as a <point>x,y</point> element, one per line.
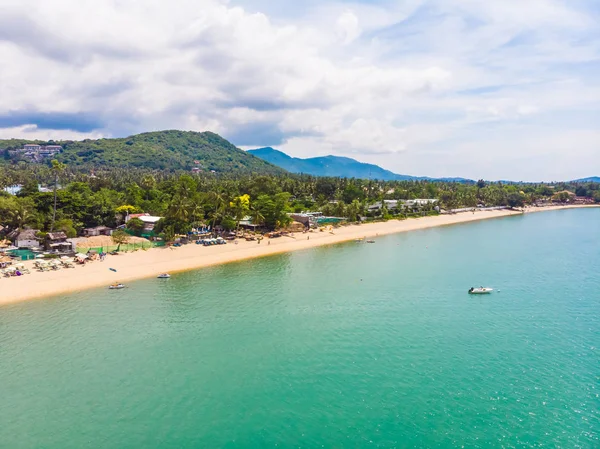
<point>346,346</point>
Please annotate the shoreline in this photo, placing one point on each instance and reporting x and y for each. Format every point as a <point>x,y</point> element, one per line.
<point>149,264</point>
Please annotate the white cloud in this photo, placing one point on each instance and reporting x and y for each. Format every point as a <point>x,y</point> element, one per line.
<point>388,82</point>
<point>347,27</point>
<point>32,132</point>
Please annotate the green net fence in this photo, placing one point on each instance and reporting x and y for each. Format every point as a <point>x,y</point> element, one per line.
<point>125,247</point>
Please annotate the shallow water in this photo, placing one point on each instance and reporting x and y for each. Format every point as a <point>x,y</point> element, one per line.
<point>350,345</point>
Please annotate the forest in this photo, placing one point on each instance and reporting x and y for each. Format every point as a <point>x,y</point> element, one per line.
<point>72,199</point>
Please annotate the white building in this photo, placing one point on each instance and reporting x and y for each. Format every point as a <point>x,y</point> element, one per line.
<point>149,220</point>
<point>37,152</point>
<point>27,239</point>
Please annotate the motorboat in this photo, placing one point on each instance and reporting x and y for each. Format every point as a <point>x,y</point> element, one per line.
<point>370,241</point>
<point>164,276</point>
<point>116,286</point>
<point>480,291</point>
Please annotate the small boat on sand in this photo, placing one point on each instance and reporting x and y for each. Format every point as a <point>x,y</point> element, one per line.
<point>164,276</point>
<point>116,286</point>
<point>370,241</point>
<point>480,291</point>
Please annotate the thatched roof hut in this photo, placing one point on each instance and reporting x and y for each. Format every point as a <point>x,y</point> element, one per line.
<point>295,226</point>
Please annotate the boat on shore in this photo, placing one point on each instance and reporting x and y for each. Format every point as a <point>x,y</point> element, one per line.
<point>164,276</point>
<point>480,291</point>
<point>116,286</point>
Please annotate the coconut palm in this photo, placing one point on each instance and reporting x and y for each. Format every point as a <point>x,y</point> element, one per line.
<point>257,217</point>
<point>22,213</point>
<point>57,169</point>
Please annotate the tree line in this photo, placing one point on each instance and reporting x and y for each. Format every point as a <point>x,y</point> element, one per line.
<point>78,199</point>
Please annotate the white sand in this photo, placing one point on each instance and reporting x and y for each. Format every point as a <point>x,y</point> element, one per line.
<point>150,263</point>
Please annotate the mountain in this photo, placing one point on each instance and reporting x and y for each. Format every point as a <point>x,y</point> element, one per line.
<point>324,166</point>
<point>336,166</point>
<point>591,179</point>
<point>162,150</point>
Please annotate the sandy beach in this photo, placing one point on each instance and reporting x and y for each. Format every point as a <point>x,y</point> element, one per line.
<point>150,263</point>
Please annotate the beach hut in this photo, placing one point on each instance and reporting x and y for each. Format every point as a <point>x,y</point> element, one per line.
<point>27,238</point>
<point>246,223</point>
<point>57,241</point>
<point>296,226</point>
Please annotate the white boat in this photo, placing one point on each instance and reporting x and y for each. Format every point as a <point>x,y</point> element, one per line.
<point>164,276</point>
<point>116,286</point>
<point>480,291</point>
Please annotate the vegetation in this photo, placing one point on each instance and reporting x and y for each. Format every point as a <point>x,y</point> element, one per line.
<point>162,150</point>
<point>187,200</point>
<point>120,238</point>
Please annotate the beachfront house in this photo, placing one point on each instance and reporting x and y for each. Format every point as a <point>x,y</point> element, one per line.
<point>148,220</point>
<point>27,238</point>
<point>98,230</point>
<point>57,241</point>
<point>304,219</point>
<point>396,205</point>
<point>389,205</point>
<point>246,223</point>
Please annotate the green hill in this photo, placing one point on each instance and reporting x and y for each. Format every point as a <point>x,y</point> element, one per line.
<point>161,150</point>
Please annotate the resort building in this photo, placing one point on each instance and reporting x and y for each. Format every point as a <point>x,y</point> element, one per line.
<point>35,152</point>
<point>149,220</point>
<point>27,238</point>
<point>98,230</point>
<point>246,223</point>
<point>57,241</point>
<point>404,204</point>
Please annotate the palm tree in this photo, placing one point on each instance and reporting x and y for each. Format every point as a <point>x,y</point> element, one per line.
<point>148,182</point>
<point>257,217</point>
<point>179,208</point>
<point>195,212</point>
<point>240,206</point>
<point>218,200</point>
<point>21,214</point>
<point>57,169</point>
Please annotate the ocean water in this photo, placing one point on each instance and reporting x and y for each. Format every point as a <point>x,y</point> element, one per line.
<point>346,346</point>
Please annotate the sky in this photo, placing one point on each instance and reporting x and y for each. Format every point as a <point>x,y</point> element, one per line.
<point>497,89</point>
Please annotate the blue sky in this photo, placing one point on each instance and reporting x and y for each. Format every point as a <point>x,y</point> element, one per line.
<point>504,89</point>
